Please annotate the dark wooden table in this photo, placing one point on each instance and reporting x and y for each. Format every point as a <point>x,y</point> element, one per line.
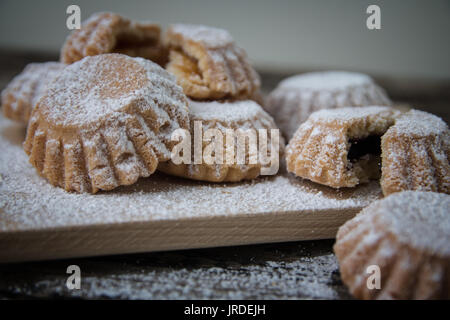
<point>297,270</point>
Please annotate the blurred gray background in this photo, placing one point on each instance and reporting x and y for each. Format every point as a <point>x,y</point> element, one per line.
<point>279,36</point>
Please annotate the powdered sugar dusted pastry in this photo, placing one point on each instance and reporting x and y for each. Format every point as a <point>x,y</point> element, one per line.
<point>208,64</point>
<point>108,32</point>
<point>223,117</point>
<point>22,93</point>
<point>405,235</point>
<point>105,121</point>
<point>340,147</point>
<point>297,97</point>
<point>415,154</point>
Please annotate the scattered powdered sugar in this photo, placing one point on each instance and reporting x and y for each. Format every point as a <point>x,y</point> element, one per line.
<point>28,201</point>
<point>210,37</point>
<point>303,277</point>
<point>330,80</point>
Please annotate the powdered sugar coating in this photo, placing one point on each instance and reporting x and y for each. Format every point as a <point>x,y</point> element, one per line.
<point>419,219</point>
<point>105,121</point>
<point>210,37</point>
<point>329,80</point>
<point>97,87</point>
<point>414,218</point>
<point>296,98</point>
<point>237,111</point>
<point>349,113</point>
<point>78,43</point>
<point>420,123</point>
<point>226,118</point>
<point>24,91</point>
<point>406,236</point>
<point>40,75</point>
<point>416,152</point>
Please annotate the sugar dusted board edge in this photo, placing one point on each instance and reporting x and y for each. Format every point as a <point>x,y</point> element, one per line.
<point>203,232</point>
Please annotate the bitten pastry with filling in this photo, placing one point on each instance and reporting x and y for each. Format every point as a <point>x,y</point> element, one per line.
<point>397,248</point>
<point>108,32</point>
<point>224,120</point>
<point>105,121</point>
<point>208,64</point>
<point>24,91</point>
<point>340,147</point>
<point>348,146</point>
<point>415,154</point>
<point>297,97</point>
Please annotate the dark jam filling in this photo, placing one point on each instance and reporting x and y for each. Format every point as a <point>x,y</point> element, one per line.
<point>130,42</point>
<point>361,147</point>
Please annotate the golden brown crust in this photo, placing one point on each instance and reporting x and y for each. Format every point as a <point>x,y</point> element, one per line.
<point>319,149</point>
<point>415,154</point>
<point>20,96</point>
<point>105,121</point>
<point>406,235</point>
<point>208,65</point>
<point>108,32</point>
<point>223,116</point>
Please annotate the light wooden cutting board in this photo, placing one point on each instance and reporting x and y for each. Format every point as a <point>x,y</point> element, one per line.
<point>38,221</point>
